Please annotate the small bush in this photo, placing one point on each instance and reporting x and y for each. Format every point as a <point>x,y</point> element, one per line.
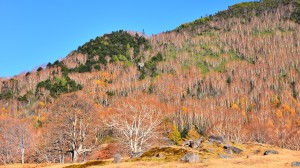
<point>193,134</point>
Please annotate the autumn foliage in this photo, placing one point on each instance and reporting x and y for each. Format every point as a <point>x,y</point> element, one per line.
<point>227,75</point>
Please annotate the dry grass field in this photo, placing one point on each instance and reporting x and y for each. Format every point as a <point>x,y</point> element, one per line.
<point>252,156</point>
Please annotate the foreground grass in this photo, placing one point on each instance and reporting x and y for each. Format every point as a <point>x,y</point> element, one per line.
<point>283,159</point>
<point>34,165</point>
<point>252,156</point>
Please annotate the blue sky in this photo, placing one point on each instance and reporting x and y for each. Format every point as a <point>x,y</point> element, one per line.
<point>35,32</point>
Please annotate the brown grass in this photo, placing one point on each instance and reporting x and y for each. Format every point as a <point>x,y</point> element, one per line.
<point>283,159</point>
<point>252,156</point>
<point>34,165</point>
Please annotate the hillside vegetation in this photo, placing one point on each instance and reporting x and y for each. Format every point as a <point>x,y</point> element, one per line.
<point>234,74</point>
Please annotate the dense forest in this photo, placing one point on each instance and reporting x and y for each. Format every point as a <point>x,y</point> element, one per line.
<point>234,74</point>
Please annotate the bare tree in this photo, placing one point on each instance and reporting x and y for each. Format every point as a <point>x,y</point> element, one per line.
<point>15,140</point>
<point>7,150</point>
<point>135,123</point>
<point>21,135</point>
<point>72,117</point>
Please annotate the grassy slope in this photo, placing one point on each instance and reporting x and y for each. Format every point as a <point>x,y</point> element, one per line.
<point>247,159</point>
<point>283,159</point>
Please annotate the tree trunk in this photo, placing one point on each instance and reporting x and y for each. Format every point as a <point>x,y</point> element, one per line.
<point>74,156</point>
<point>61,157</point>
<point>84,157</point>
<point>22,155</point>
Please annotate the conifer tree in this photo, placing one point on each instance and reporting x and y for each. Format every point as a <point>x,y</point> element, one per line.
<point>175,135</point>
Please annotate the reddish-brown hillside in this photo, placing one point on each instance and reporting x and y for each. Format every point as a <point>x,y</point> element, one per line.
<point>235,74</point>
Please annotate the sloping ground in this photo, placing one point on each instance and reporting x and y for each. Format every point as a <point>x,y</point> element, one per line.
<point>252,156</point>
<point>34,165</point>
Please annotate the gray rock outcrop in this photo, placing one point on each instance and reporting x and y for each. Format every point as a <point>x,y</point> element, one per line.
<point>196,143</point>
<point>270,152</point>
<point>136,155</point>
<point>191,158</point>
<point>193,144</point>
<point>224,156</point>
<point>231,149</point>
<point>295,164</point>
<point>188,143</point>
<point>117,158</point>
<point>215,139</point>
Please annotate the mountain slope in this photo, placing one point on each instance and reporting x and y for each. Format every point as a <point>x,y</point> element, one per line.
<point>234,74</point>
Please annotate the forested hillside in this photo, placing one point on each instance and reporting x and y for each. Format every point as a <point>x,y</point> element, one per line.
<point>234,74</point>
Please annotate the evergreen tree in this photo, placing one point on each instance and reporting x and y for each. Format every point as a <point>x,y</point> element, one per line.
<point>175,135</point>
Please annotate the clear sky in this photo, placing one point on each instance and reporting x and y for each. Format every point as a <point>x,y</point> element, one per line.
<point>35,32</point>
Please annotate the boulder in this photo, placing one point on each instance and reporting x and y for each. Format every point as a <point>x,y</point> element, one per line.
<point>227,146</point>
<point>295,164</point>
<point>191,158</point>
<point>228,151</point>
<point>216,139</point>
<point>196,143</point>
<point>136,155</point>
<point>117,158</point>
<point>231,149</point>
<point>236,150</point>
<point>141,65</point>
<point>224,156</point>
<point>193,144</point>
<point>188,143</point>
<point>270,152</point>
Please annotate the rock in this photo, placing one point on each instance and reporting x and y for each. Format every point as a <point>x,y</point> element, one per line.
<point>136,155</point>
<point>188,143</point>
<point>227,146</point>
<point>270,152</point>
<point>215,139</point>
<point>228,151</point>
<point>191,158</point>
<point>117,158</point>
<point>141,65</point>
<point>295,164</point>
<point>193,144</point>
<point>231,149</point>
<point>236,150</point>
<point>224,156</point>
<point>196,144</point>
